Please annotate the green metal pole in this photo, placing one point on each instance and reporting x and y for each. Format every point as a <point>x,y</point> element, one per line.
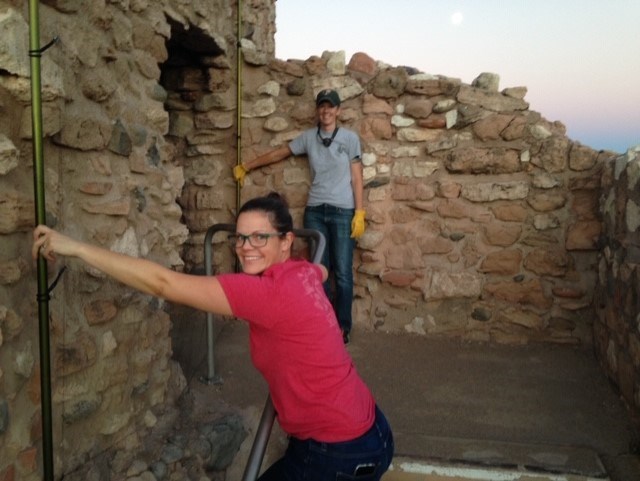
<point>43,294</point>
<point>238,110</point>
<point>239,97</point>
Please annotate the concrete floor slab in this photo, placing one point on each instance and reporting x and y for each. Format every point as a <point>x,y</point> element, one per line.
<point>546,408</point>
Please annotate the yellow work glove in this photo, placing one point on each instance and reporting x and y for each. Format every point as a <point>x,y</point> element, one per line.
<point>357,224</point>
<point>239,171</point>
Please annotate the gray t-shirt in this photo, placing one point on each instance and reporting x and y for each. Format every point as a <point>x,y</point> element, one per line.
<point>330,166</point>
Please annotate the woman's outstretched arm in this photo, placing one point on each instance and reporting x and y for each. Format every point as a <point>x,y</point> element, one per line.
<point>200,292</point>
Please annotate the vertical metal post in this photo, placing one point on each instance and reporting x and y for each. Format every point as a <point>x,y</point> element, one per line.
<point>238,101</point>
<point>238,110</point>
<point>43,291</point>
<point>317,244</point>
<point>212,377</point>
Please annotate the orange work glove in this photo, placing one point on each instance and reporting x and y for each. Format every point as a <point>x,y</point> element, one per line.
<point>357,224</point>
<point>239,171</point>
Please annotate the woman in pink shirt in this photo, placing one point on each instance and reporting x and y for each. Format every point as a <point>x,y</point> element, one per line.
<point>336,430</point>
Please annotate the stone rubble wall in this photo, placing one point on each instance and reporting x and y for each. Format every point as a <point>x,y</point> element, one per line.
<point>483,217</point>
<point>617,294</point>
<point>112,178</point>
<point>483,220</point>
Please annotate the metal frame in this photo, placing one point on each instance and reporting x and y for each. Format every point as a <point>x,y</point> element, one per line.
<point>317,244</point>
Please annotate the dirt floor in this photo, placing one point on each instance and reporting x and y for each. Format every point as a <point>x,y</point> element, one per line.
<point>545,407</point>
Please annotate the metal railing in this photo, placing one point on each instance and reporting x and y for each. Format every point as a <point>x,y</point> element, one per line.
<point>317,244</point>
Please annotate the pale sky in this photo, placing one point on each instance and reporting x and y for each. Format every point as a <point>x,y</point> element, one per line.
<point>579,59</point>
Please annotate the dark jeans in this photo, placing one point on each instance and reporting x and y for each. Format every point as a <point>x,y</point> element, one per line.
<point>335,225</point>
<point>365,458</point>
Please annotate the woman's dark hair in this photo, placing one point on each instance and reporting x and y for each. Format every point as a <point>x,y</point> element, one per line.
<point>276,208</point>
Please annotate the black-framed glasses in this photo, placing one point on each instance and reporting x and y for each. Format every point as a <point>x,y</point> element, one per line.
<point>257,239</point>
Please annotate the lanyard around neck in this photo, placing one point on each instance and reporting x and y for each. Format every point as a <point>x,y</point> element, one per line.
<point>326,141</point>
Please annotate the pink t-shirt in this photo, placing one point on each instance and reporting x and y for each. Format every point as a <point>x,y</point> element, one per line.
<point>297,346</point>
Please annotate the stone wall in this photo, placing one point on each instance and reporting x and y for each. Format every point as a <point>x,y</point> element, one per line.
<point>483,217</point>
<point>617,299</point>
<point>112,177</point>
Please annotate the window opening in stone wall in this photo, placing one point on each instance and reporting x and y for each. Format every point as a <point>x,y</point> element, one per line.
<point>201,103</point>
<point>200,100</point>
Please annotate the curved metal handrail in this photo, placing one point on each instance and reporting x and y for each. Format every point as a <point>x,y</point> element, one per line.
<point>212,377</point>
<point>317,244</point>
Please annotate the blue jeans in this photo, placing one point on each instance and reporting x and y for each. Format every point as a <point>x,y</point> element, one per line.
<point>365,458</point>
<point>335,225</point>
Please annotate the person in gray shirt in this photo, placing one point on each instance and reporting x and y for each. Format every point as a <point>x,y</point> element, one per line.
<point>335,202</point>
